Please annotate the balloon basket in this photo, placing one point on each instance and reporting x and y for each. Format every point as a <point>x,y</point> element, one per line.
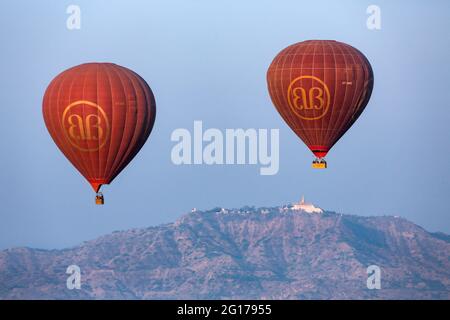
<point>99,199</point>
<point>319,164</point>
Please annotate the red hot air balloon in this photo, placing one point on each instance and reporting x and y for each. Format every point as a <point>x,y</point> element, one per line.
<point>99,115</point>
<point>320,88</point>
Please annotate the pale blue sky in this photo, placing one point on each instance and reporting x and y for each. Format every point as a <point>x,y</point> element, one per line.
<point>207,60</point>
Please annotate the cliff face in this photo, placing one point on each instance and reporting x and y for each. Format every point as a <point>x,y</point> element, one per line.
<point>266,253</point>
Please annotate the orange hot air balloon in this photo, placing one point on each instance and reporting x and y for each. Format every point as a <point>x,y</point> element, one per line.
<point>320,88</point>
<point>99,115</point>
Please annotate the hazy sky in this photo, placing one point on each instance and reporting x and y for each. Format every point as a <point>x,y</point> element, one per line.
<point>207,60</point>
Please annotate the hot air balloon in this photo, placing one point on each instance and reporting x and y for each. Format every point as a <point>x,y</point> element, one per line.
<point>99,115</point>
<point>320,88</point>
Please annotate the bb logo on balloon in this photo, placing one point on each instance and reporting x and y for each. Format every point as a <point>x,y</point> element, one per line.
<point>85,125</point>
<point>308,97</point>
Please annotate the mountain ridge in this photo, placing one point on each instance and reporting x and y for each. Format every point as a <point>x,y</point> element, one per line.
<point>247,253</point>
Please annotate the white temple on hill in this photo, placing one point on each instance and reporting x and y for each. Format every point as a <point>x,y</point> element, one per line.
<point>306,207</point>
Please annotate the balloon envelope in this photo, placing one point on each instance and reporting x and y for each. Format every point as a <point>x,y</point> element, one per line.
<point>99,115</point>
<point>320,88</point>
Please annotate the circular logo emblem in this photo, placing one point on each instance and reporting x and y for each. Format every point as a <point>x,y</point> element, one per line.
<point>85,125</point>
<point>308,97</point>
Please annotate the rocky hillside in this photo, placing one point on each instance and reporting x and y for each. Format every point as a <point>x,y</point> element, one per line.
<point>267,253</point>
